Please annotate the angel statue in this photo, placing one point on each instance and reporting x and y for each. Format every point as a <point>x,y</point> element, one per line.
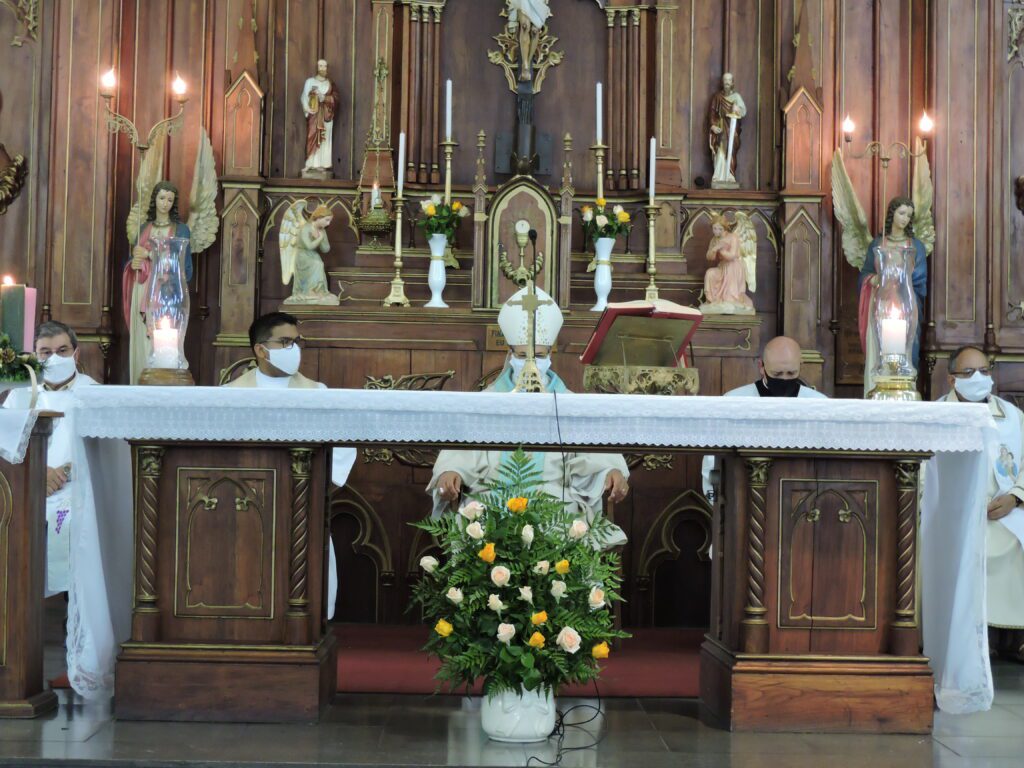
<point>734,247</point>
<point>160,219</point>
<point>302,241</point>
<point>908,221</point>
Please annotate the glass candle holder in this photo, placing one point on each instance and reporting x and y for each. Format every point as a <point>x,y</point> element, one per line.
<point>167,305</point>
<point>895,310</point>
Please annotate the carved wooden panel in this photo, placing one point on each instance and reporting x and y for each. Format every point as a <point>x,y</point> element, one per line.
<point>6,516</point>
<point>223,505</point>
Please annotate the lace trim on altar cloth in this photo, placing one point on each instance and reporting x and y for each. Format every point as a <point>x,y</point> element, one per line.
<point>15,432</point>
<point>83,661</point>
<point>977,698</point>
<point>338,416</point>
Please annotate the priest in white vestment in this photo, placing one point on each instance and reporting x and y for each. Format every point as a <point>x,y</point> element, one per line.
<point>56,346</point>
<point>970,380</point>
<point>779,367</point>
<point>580,479</point>
<point>275,340</point>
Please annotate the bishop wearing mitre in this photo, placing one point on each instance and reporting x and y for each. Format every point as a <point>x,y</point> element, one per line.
<point>581,479</point>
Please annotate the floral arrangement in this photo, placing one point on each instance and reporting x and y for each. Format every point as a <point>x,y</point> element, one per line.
<point>598,222</point>
<point>524,594</point>
<point>441,218</point>
<point>14,365</point>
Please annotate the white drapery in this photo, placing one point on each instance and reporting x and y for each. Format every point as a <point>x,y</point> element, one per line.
<point>15,432</point>
<point>953,534</point>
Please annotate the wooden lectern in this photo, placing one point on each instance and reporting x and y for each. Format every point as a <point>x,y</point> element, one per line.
<point>228,612</point>
<point>814,606</point>
<point>23,579</point>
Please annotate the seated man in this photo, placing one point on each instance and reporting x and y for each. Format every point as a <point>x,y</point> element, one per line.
<point>580,478</point>
<point>970,380</point>
<point>779,367</point>
<point>274,339</point>
<point>56,346</point>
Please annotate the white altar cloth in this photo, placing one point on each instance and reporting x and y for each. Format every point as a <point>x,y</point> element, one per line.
<point>15,432</point>
<point>953,521</point>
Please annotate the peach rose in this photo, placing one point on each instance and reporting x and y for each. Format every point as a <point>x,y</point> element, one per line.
<point>542,567</point>
<point>475,531</point>
<point>428,563</point>
<point>455,595</point>
<point>500,575</point>
<point>596,598</point>
<point>472,510</point>
<point>568,640</point>
<point>578,529</point>
<point>506,632</point>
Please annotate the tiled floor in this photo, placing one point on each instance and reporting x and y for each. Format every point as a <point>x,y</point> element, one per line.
<point>381,730</point>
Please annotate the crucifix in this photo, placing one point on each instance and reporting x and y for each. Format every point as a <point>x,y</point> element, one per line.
<point>530,379</point>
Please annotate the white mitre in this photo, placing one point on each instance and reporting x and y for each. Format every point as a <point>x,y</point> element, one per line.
<point>514,320</point>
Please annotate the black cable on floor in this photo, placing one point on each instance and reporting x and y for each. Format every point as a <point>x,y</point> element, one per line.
<point>561,728</point>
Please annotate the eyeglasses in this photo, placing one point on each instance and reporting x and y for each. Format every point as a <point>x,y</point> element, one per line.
<point>966,373</point>
<point>62,351</point>
<point>285,342</point>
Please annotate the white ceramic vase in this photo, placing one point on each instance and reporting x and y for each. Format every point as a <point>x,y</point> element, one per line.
<point>602,271</point>
<point>518,717</point>
<point>437,276</point>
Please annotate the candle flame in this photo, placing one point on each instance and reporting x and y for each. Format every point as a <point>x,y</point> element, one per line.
<point>8,280</point>
<point>927,124</point>
<point>849,126</point>
<point>165,323</point>
<point>109,80</point>
<point>178,86</point>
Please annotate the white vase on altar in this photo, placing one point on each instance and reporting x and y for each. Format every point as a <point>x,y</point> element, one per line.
<point>521,716</point>
<point>602,271</point>
<point>437,276</point>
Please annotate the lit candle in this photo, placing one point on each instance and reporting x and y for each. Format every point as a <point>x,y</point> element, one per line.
<point>401,163</point>
<point>927,124</point>
<point>178,87</point>
<point>653,161</point>
<point>600,115</point>
<point>848,127</point>
<point>165,345</point>
<point>448,110</point>
<point>375,195</point>
<point>18,313</point>
<point>108,83</point>
<point>894,336</point>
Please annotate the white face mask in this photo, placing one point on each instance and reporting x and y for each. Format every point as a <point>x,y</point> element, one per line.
<point>518,363</point>
<point>976,388</point>
<point>286,360</point>
<point>57,369</point>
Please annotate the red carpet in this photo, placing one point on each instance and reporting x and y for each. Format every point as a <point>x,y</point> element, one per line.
<point>385,658</point>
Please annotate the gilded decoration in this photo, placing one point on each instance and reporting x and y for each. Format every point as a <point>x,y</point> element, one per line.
<point>650,462</point>
<point>412,381</point>
<point>13,172</point>
<point>640,380</point>
<point>409,457</point>
<point>1015,26</point>
<point>907,476</point>
<point>26,12</point>
<point>541,54</point>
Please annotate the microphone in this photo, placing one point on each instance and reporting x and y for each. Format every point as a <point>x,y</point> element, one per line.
<point>533,236</point>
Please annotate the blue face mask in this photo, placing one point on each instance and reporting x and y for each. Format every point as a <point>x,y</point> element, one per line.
<point>518,363</point>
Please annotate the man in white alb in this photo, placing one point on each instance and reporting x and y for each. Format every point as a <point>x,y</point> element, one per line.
<point>580,478</point>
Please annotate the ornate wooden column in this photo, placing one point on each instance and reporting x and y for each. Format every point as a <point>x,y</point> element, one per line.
<point>754,628</point>
<point>146,612</point>
<point>298,562</point>
<point>906,635</point>
<point>627,126</point>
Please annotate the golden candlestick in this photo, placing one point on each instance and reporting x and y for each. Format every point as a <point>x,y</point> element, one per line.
<point>397,296</point>
<point>448,145</point>
<point>653,211</point>
<point>599,150</point>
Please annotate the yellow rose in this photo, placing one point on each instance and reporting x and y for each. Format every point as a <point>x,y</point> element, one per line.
<point>443,628</point>
<point>623,218</point>
<point>562,567</point>
<point>600,202</point>
<point>487,554</point>
<point>600,651</point>
<point>431,209</point>
<point>541,617</point>
<point>517,505</point>
<point>536,640</point>
<point>586,209</point>
<point>456,206</point>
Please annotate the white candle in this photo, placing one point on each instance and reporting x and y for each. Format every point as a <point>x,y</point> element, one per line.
<point>600,115</point>
<point>653,160</point>
<point>894,336</point>
<point>401,163</point>
<point>375,196</point>
<point>165,345</point>
<point>448,110</point>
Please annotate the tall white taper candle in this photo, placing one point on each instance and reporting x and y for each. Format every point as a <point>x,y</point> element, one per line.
<point>653,161</point>
<point>401,163</point>
<point>448,110</point>
<point>600,114</point>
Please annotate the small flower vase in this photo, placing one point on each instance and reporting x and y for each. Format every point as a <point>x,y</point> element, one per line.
<point>437,276</point>
<point>602,271</point>
<point>521,716</point>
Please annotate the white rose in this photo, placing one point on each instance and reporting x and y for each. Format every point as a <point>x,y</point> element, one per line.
<point>578,529</point>
<point>464,212</point>
<point>558,589</point>
<point>542,567</point>
<point>424,204</point>
<point>428,563</point>
<point>435,199</point>
<point>472,510</point>
<point>617,210</point>
<point>505,633</point>
<point>526,593</point>
<point>596,598</point>
<point>475,531</point>
<point>455,595</point>
<point>500,575</point>
<point>495,604</point>
<point>588,215</point>
<point>601,221</point>
<point>527,535</point>
<point>568,640</point>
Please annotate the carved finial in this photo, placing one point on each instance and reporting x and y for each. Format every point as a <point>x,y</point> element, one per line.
<point>567,164</point>
<point>803,73</point>
<point>480,180</point>
<point>567,142</point>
